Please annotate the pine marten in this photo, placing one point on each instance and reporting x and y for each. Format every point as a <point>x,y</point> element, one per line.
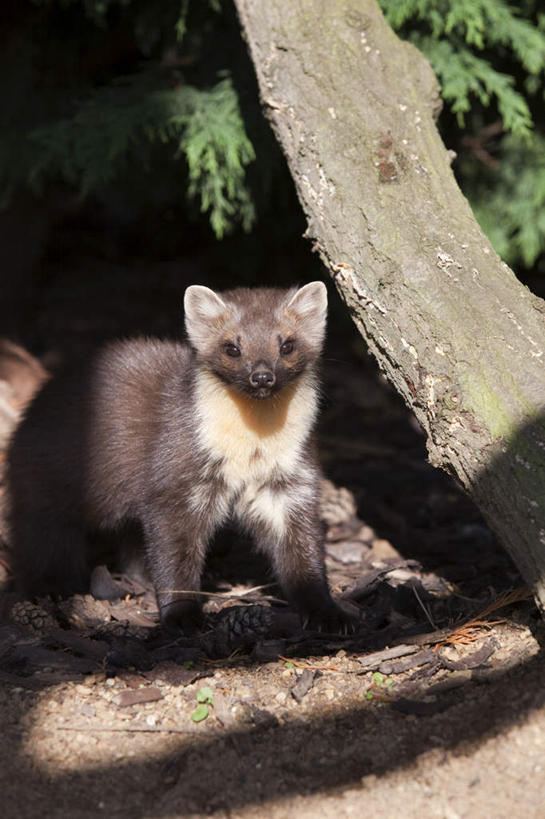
<point>182,437</point>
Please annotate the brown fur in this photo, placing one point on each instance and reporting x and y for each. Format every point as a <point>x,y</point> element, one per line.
<point>181,438</point>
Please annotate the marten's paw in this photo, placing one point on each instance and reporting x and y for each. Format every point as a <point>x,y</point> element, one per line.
<point>335,618</point>
<point>181,616</point>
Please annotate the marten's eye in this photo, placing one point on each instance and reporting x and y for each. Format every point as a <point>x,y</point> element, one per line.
<point>232,350</point>
<point>287,347</point>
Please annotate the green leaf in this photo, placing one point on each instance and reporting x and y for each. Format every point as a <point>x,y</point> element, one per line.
<point>378,678</point>
<point>205,694</point>
<point>200,713</point>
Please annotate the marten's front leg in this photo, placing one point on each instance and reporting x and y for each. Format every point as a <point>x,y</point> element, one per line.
<point>175,553</point>
<point>291,534</point>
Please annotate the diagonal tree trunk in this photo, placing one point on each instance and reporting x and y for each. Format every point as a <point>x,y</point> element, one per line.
<point>459,337</point>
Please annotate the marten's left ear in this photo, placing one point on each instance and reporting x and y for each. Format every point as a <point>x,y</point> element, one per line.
<point>309,306</point>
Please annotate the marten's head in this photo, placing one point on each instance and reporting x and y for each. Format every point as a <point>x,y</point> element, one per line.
<point>256,340</point>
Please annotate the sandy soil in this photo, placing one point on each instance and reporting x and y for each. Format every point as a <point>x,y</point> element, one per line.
<point>73,750</point>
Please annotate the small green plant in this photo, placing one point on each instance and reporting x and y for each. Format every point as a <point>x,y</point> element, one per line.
<point>205,694</point>
<point>200,713</point>
<point>205,697</point>
<point>379,688</point>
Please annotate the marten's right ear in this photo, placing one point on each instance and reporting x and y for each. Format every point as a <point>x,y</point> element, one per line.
<point>205,312</point>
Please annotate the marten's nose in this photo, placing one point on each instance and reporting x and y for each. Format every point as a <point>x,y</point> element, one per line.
<point>262,377</point>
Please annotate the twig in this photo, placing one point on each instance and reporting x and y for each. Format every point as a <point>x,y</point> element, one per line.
<point>243,595</point>
<point>469,631</point>
<point>311,666</point>
<point>514,596</point>
<point>424,609</point>
<point>138,729</point>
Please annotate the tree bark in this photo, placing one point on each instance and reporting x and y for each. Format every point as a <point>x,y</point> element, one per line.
<point>454,331</point>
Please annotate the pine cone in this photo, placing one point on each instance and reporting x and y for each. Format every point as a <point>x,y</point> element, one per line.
<point>31,615</point>
<point>337,504</point>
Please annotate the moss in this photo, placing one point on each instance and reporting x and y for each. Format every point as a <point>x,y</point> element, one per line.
<point>486,405</point>
<point>523,440</point>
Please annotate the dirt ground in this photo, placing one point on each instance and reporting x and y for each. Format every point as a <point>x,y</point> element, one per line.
<point>434,708</point>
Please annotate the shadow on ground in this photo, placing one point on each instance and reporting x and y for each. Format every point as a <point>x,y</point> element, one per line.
<point>226,770</point>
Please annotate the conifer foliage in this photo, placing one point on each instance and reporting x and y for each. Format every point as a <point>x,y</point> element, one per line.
<point>96,91</point>
<point>489,57</point>
<point>95,87</point>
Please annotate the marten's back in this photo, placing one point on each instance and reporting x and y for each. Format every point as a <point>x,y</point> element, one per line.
<point>87,435</point>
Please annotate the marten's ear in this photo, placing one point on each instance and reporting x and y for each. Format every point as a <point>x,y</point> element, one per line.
<point>205,312</point>
<point>309,307</point>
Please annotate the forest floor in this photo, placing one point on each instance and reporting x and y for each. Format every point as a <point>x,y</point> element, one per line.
<point>435,707</point>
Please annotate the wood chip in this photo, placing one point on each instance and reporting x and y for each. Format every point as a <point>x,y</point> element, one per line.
<point>426,670</point>
<point>473,660</point>
<point>137,696</point>
<point>372,661</point>
<point>406,663</point>
<point>303,685</point>
<point>345,551</point>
